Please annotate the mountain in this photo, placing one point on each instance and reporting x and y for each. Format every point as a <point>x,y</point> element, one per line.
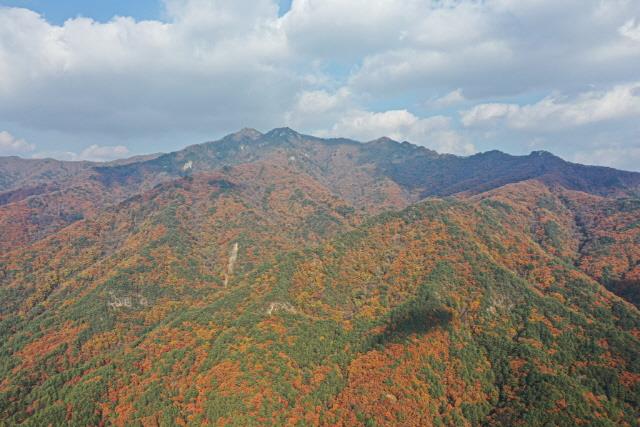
<point>415,169</point>
<point>47,195</point>
<point>283,279</point>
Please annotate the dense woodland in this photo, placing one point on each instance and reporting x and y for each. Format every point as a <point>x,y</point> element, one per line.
<point>288,280</point>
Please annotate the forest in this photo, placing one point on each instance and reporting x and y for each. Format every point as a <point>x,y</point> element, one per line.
<point>352,299</point>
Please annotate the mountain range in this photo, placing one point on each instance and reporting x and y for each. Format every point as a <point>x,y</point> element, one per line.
<point>285,279</point>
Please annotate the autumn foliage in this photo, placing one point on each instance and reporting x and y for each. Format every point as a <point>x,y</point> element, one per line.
<point>351,301</point>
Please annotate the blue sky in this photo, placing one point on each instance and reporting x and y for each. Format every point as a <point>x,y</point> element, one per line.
<point>58,11</point>
<point>456,76</point>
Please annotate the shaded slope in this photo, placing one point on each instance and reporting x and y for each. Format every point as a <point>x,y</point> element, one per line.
<point>446,175</point>
<point>415,169</point>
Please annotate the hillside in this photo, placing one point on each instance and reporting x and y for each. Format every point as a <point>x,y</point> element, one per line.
<point>283,279</point>
<point>599,235</point>
<point>39,197</point>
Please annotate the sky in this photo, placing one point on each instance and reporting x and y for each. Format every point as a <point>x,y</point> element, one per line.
<point>108,79</point>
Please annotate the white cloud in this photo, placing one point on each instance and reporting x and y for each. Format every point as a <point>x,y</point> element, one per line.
<point>226,17</point>
<point>434,132</point>
<point>212,66</point>
<point>505,47</point>
<point>365,125</point>
<point>631,29</point>
<point>94,153</point>
<point>103,153</point>
<point>320,101</point>
<point>484,113</point>
<point>343,30</point>
<point>318,108</point>
<point>557,112</point>
<point>11,145</point>
<point>453,98</point>
<point>208,67</point>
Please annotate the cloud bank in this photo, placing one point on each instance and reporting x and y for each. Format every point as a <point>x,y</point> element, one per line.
<point>453,75</point>
<point>10,145</point>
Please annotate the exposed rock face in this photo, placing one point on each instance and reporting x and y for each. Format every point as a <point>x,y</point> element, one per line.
<point>127,301</point>
<point>276,307</point>
<point>233,256</point>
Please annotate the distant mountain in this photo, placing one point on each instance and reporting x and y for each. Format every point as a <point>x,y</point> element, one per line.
<point>412,167</point>
<point>284,279</point>
<point>133,159</point>
<point>16,173</point>
<point>378,175</point>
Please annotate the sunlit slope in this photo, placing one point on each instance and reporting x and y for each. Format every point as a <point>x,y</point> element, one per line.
<point>599,235</point>
<point>449,312</point>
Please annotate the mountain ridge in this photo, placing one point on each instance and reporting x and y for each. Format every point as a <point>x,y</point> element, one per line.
<point>280,279</point>
<point>249,134</point>
<point>386,146</point>
<point>453,309</point>
<point>46,195</point>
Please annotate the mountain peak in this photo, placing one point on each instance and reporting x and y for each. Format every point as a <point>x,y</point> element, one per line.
<point>384,140</point>
<point>542,153</point>
<point>247,133</point>
<point>283,132</point>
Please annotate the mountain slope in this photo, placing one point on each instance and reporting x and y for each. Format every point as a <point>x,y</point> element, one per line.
<point>444,312</point>
<point>411,167</point>
<point>375,176</point>
<point>599,235</point>
<point>281,279</point>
